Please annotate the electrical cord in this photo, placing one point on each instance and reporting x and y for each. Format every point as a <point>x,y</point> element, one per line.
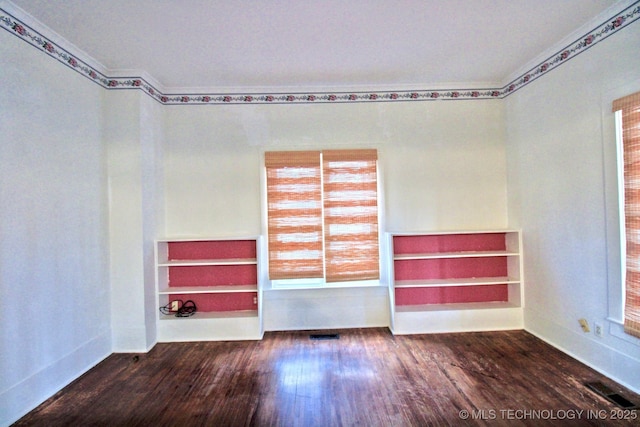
<point>166,309</point>
<point>185,309</point>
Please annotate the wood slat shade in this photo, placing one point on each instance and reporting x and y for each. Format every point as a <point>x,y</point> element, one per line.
<point>350,215</point>
<point>294,205</point>
<point>323,221</point>
<point>630,108</point>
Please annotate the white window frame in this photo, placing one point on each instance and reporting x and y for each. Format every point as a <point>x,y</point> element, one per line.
<point>321,283</point>
<point>614,211</point>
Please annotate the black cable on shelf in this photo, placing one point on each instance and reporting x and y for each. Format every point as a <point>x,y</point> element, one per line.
<point>185,309</point>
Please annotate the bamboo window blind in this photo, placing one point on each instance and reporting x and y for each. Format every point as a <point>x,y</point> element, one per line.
<point>323,215</point>
<point>294,207</point>
<point>630,109</point>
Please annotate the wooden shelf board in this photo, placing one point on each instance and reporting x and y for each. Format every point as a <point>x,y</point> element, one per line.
<point>213,315</point>
<point>450,232</point>
<point>200,262</point>
<point>452,255</point>
<point>208,289</point>
<point>442,283</point>
<point>454,307</point>
<point>205,239</point>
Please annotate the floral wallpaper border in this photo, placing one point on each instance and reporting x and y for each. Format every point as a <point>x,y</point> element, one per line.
<point>44,44</point>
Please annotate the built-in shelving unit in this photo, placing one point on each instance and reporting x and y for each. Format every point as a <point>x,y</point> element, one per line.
<point>221,277</point>
<point>456,281</point>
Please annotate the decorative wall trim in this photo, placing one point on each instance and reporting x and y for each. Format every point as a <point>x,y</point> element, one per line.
<point>43,43</point>
<point>609,27</point>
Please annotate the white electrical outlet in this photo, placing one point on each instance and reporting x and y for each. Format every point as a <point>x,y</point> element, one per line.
<point>597,329</point>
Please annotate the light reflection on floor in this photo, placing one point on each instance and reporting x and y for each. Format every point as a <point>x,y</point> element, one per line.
<point>311,375</point>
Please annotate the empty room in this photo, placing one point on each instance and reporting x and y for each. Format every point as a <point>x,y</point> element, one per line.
<point>296,213</point>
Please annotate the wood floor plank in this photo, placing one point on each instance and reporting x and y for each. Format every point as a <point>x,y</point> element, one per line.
<point>367,377</point>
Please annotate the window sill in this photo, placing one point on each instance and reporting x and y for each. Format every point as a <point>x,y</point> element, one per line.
<point>616,329</point>
<point>616,321</point>
<point>301,285</point>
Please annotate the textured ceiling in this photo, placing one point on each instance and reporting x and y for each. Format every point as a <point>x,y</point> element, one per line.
<point>315,44</point>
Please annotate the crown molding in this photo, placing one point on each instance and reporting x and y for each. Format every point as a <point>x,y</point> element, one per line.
<point>22,25</point>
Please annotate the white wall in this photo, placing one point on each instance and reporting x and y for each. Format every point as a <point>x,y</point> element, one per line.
<point>151,137</point>
<point>443,166</point>
<point>443,162</point>
<point>132,134</point>
<point>54,281</point>
<point>75,159</point>
<point>557,131</point>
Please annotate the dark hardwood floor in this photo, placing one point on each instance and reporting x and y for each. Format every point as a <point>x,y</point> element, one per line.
<point>367,377</point>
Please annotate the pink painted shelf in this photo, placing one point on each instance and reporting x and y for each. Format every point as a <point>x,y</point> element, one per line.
<point>219,275</point>
<point>456,268</point>
<point>211,249</point>
<point>220,302</point>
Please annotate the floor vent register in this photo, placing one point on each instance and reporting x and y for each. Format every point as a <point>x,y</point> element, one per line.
<point>609,394</point>
<point>324,336</point>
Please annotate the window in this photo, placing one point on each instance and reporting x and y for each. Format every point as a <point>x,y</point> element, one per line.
<point>322,214</point>
<point>628,116</point>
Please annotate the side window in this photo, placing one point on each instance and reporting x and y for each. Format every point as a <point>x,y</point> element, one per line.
<point>627,111</point>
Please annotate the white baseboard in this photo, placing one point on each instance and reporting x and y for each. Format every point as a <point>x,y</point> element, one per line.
<point>461,320</point>
<point>18,400</point>
<point>599,355</point>
<point>130,340</point>
<point>315,309</point>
